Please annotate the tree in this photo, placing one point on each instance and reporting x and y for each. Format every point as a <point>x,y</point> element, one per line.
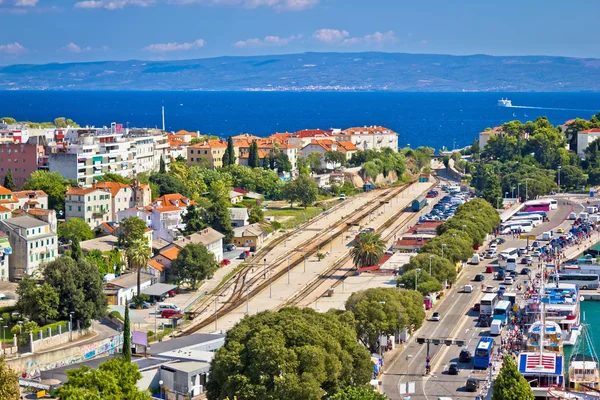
<point>459,246</point>
<point>194,264</point>
<point>441,268</point>
<point>307,190</point>
<point>47,302</point>
<point>38,303</point>
<point>426,284</point>
<point>572,177</point>
<point>294,354</point>
<point>253,158</point>
<point>138,257</point>
<point>290,192</point>
<point>112,177</point>
<point>76,252</point>
<point>370,170</point>
<point>131,230</point>
<point>229,156</point>
<point>256,214</point>
<point>282,162</point>
<point>492,190</point>
<point>383,311</point>
<point>75,229</point>
<point>359,393</point>
<point>9,382</point>
<point>168,184</point>
<point>218,213</point>
<point>114,379</point>
<point>594,177</point>
<point>303,165</point>
<point>127,336</point>
<point>52,183</point>
<point>337,158</point>
<point>368,250</point>
<point>162,169</point>
<point>97,257</point>
<point>314,160</point>
<point>80,288</point>
<point>8,120</point>
<point>9,182</point>
<point>510,384</point>
<point>194,219</point>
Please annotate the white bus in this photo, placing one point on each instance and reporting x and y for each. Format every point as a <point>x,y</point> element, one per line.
<point>517,227</point>
<point>508,252</point>
<point>583,281</point>
<point>487,304</point>
<point>511,264</point>
<point>553,204</point>
<point>535,219</point>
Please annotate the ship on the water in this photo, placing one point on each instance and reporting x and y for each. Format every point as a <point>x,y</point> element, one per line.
<point>504,103</point>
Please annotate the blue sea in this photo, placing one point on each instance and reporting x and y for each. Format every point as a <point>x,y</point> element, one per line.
<point>421,119</point>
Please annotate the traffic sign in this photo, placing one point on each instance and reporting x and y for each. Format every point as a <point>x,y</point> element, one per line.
<point>530,237</point>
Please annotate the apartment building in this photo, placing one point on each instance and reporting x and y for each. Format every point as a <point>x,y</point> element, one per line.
<point>31,199</point>
<point>585,138</point>
<point>322,146</point>
<point>368,137</point>
<point>125,196</point>
<point>93,205</point>
<point>5,252</point>
<point>267,147</point>
<point>209,153</point>
<point>304,137</point>
<point>21,159</point>
<point>33,244</point>
<point>166,222</point>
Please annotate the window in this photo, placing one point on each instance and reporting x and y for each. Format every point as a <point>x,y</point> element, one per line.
<point>79,208</point>
<point>70,208</point>
<point>31,245</point>
<point>89,198</point>
<point>52,242</point>
<point>94,198</point>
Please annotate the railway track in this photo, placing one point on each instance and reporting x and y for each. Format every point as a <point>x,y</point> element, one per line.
<point>341,262</point>
<point>243,287</point>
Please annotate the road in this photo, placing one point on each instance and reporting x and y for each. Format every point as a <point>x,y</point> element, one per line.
<point>458,322</point>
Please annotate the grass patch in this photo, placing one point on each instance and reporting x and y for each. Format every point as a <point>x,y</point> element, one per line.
<point>297,214</point>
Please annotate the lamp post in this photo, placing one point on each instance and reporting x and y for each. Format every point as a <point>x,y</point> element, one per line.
<point>513,192</point>
<point>519,191</point>
<point>216,316</point>
<point>71,325</point>
<point>288,269</point>
<point>155,312</point>
<point>270,284</point>
<point>304,262</point>
<point>443,246</point>
<point>430,258</point>
<point>559,168</point>
<point>526,187</point>
<point>417,277</point>
<point>161,383</point>
<point>264,268</point>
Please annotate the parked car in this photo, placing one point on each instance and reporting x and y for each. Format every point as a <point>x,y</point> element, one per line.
<point>145,304</point>
<point>453,369</point>
<point>225,261</point>
<point>491,254</point>
<point>508,280</point>
<point>525,271</point>
<point>243,255</point>
<point>229,247</point>
<point>171,293</point>
<point>169,313</point>
<point>464,356</point>
<point>560,230</point>
<point>476,307</point>
<point>436,316</point>
<point>489,270</point>
<point>472,385</point>
<point>479,278</point>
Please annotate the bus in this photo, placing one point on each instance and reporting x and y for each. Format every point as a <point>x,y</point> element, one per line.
<point>535,219</point>
<point>523,226</point>
<point>553,204</point>
<point>525,214</point>
<point>508,252</point>
<point>511,264</point>
<point>502,311</point>
<point>583,281</point>
<point>483,353</point>
<point>537,205</point>
<point>487,304</point>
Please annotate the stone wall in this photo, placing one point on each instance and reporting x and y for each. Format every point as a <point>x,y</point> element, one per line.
<point>56,340</point>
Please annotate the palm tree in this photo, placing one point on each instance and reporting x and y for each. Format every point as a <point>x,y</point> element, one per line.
<point>368,250</point>
<point>138,257</point>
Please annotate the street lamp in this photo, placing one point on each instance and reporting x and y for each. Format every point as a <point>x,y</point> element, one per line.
<point>443,246</point>
<point>71,325</point>
<point>417,277</point>
<point>526,187</point>
<point>430,258</point>
<point>270,284</point>
<point>513,192</point>
<point>559,168</point>
<point>161,383</point>
<point>264,268</point>
<point>519,191</point>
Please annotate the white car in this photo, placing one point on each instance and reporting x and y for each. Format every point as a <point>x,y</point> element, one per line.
<point>436,316</point>
<point>537,253</point>
<point>509,280</point>
<point>491,254</point>
<point>489,289</point>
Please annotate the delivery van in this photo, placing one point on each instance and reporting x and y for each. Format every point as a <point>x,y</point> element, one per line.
<point>591,209</point>
<point>496,327</point>
<point>547,235</point>
<point>468,289</point>
<point>476,259</point>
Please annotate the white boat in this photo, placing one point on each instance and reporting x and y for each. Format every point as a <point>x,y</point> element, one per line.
<point>504,103</point>
<point>583,366</point>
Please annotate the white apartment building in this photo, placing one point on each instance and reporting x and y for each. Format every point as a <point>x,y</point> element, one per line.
<point>33,244</point>
<point>585,138</point>
<point>32,199</point>
<point>93,205</point>
<point>5,252</point>
<point>369,137</point>
<point>166,222</point>
<point>324,145</point>
<point>126,196</point>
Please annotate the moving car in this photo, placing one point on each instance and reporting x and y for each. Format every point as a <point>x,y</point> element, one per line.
<point>243,255</point>
<point>560,230</point>
<point>453,369</point>
<point>464,356</point>
<point>489,289</point>
<point>472,385</point>
<point>489,270</point>
<point>478,278</point>
<point>169,313</point>
<point>476,307</point>
<point>491,254</point>
<point>343,196</point>
<point>225,261</point>
<point>525,271</point>
<point>508,280</point>
<point>436,316</point>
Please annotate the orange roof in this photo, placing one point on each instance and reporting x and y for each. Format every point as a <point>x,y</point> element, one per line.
<point>569,122</point>
<point>28,193</point>
<point>4,190</point>
<point>280,136</point>
<point>156,265</point>
<point>593,130</point>
<point>243,143</point>
<point>80,191</point>
<point>171,253</point>
<point>324,143</point>
<point>261,154</point>
<point>184,132</point>
<point>108,227</point>
<point>4,209</point>
<point>245,136</point>
<point>170,199</point>
<point>211,144</point>
<point>348,146</point>
<point>305,133</point>
<point>369,130</point>
<point>114,187</point>
<point>167,209</point>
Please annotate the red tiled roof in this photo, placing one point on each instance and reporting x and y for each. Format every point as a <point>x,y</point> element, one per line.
<point>410,242</point>
<point>4,190</point>
<point>168,209</point>
<point>80,191</point>
<point>593,130</point>
<point>211,144</point>
<point>171,253</point>
<point>156,265</point>
<point>348,146</point>
<point>108,227</point>
<point>114,187</point>
<point>310,133</point>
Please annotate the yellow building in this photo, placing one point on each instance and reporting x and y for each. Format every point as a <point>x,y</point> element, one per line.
<point>210,152</point>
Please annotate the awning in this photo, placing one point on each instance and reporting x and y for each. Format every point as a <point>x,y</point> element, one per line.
<point>158,289</point>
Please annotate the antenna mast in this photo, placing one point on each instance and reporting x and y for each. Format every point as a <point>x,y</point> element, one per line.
<point>163,118</point>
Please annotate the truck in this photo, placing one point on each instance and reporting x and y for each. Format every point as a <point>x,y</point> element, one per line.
<point>591,209</point>
<point>367,187</point>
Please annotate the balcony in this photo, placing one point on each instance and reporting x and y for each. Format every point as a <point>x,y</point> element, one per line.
<point>99,213</point>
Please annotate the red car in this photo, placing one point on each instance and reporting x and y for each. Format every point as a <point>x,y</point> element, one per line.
<point>476,307</point>
<point>171,293</point>
<point>225,262</point>
<point>169,313</point>
<point>489,270</point>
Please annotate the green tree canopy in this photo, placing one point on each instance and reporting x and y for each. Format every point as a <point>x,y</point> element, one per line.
<point>114,379</point>
<point>75,229</point>
<point>441,268</point>
<point>253,157</point>
<point>367,250</point>
<point>510,384</point>
<point>336,158</point>
<point>384,311</point>
<point>168,184</point>
<point>112,177</point>
<point>296,354</point>
<point>426,284</point>
<point>194,264</point>
<point>9,382</point>
<point>126,336</point>
<point>52,183</point>
<point>314,160</point>
<point>131,230</point>
<point>9,182</point>
<point>218,213</point>
<point>194,219</point>
<point>256,214</point>
<point>138,256</point>
<point>458,247</point>
<point>282,162</point>
<point>572,177</point>
<point>359,393</point>
<point>37,302</point>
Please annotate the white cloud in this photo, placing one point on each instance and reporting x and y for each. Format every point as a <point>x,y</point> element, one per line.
<point>74,48</point>
<point>273,41</point>
<point>280,5</point>
<point>331,35</point>
<point>165,47</point>
<point>334,36</point>
<point>12,48</point>
<point>26,3</point>
<point>112,5</point>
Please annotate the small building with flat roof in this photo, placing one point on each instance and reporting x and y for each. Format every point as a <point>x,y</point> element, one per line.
<point>121,290</point>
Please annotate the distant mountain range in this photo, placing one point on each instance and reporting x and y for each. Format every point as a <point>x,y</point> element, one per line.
<point>317,72</point>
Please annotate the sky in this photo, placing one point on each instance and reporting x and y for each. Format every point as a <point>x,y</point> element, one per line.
<point>45,31</point>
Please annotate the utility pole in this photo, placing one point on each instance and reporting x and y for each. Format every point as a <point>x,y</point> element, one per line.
<point>288,269</point>
<point>216,316</point>
<point>270,284</point>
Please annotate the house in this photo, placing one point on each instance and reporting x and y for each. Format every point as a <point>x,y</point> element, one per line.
<point>304,137</point>
<point>409,245</point>
<point>165,222</point>
<point>324,145</point>
<point>369,137</point>
<point>210,238</point>
<point>585,138</point>
<point>93,205</point>
<point>33,244</point>
<point>238,216</point>
<point>5,252</point>
<point>209,152</point>
<point>32,199</point>
<point>125,196</point>
<point>121,290</point>
<point>174,199</point>
<point>167,255</point>
<point>156,269</point>
<point>250,236</point>
<point>8,199</point>
<point>235,197</point>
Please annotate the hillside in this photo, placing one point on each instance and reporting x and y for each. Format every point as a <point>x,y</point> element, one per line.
<point>316,72</point>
